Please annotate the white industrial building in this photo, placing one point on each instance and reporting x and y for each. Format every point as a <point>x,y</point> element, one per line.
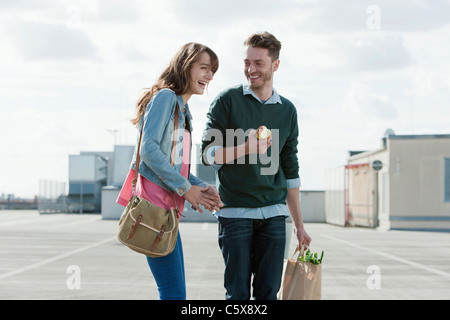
<point>88,173</point>
<point>405,184</point>
<point>120,166</point>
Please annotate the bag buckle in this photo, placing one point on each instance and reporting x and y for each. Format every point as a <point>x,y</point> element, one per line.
<point>159,237</point>
<point>138,221</point>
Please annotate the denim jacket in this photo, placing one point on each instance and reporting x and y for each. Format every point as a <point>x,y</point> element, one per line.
<point>157,140</point>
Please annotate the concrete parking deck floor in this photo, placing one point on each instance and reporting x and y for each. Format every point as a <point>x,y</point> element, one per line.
<point>48,256</point>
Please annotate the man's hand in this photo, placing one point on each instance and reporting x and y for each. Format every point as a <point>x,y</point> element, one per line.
<point>255,146</point>
<point>252,146</point>
<point>303,238</point>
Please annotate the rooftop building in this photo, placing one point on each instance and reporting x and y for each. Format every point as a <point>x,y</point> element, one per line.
<point>405,184</point>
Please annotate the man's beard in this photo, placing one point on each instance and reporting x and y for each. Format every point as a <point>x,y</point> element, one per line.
<point>264,78</point>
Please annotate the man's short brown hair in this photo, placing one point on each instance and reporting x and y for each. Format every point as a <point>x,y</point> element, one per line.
<point>267,41</point>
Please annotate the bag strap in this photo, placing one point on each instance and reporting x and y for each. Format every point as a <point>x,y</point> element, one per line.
<point>138,156</point>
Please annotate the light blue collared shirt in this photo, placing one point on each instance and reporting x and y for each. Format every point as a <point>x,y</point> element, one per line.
<point>275,98</point>
<point>253,213</point>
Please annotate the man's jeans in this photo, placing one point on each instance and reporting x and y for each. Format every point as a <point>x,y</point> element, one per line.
<point>252,246</point>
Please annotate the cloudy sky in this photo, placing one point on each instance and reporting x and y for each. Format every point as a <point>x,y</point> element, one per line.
<point>72,70</point>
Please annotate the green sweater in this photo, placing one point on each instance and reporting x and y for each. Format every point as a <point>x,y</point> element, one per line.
<point>255,181</point>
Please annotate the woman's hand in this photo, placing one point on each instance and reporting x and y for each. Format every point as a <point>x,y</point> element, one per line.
<point>208,197</point>
<point>215,197</point>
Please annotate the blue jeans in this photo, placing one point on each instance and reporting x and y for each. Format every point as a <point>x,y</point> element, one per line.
<point>252,247</point>
<point>169,275</point>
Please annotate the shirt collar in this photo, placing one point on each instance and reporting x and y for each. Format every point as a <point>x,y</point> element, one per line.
<point>275,98</point>
<point>184,108</point>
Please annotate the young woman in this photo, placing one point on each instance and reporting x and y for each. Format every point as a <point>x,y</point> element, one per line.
<point>189,73</point>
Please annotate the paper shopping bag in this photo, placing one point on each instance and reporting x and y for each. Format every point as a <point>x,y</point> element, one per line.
<point>301,280</point>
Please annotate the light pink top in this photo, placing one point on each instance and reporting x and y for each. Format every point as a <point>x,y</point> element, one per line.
<point>151,191</point>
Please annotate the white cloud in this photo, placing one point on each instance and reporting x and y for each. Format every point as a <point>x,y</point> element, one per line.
<point>361,100</point>
<point>414,16</point>
<point>40,41</point>
<point>38,142</point>
<point>334,17</point>
<point>377,53</point>
<point>429,83</point>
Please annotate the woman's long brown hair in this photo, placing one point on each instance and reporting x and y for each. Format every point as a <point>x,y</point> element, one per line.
<point>176,76</point>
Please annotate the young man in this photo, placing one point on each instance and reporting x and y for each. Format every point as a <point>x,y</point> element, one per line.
<point>257,177</point>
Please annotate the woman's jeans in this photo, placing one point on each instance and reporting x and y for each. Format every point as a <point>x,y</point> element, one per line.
<point>252,246</point>
<point>169,275</point>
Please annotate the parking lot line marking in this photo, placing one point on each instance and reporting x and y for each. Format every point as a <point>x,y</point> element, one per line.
<point>390,256</point>
<point>73,223</point>
<point>53,259</point>
<point>26,221</point>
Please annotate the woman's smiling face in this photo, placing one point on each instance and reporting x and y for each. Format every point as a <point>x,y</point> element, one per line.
<point>201,74</point>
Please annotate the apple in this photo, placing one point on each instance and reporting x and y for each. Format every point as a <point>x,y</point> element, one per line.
<point>263,133</point>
